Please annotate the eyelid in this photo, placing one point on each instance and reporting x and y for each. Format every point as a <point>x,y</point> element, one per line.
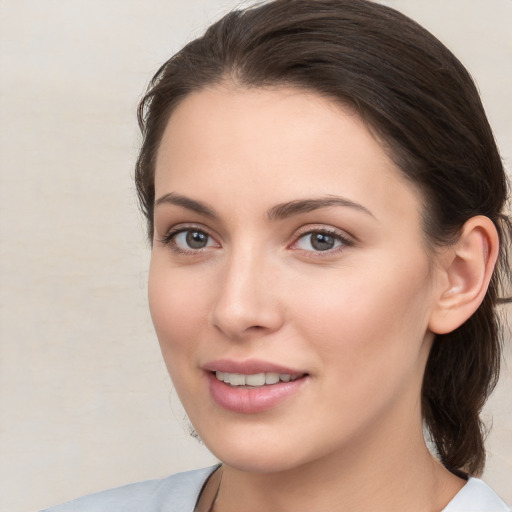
<point>168,238</point>
<point>346,239</point>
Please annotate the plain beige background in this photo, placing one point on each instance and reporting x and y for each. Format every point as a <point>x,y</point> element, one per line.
<point>85,402</point>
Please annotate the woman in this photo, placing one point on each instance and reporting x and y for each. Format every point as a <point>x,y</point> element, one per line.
<point>325,202</point>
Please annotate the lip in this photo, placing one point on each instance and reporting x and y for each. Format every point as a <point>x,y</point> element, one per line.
<point>248,367</point>
<point>246,400</point>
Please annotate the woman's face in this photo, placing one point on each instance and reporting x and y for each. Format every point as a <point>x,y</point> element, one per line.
<point>288,250</point>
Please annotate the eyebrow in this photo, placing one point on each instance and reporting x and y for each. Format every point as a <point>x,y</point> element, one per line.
<point>188,203</point>
<point>277,212</point>
<point>284,210</point>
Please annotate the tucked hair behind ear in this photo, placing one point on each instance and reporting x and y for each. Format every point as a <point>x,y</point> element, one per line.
<point>422,104</point>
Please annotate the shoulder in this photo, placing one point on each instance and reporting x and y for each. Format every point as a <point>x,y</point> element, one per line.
<point>476,496</point>
<point>176,493</point>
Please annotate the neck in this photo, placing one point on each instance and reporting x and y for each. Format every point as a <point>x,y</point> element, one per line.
<point>364,476</point>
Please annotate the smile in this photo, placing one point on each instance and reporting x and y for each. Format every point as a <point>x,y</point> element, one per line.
<point>255,379</point>
<point>252,393</point>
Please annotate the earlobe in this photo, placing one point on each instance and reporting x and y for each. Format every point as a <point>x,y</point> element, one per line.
<point>467,270</point>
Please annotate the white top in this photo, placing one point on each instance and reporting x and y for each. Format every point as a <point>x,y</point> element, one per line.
<point>476,496</point>
<point>179,493</point>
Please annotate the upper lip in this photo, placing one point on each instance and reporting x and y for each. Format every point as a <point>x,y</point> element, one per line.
<point>248,367</point>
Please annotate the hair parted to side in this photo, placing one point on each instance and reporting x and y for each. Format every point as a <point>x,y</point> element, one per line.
<point>422,103</point>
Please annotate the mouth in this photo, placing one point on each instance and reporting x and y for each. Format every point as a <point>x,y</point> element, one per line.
<point>255,380</point>
<point>253,386</point>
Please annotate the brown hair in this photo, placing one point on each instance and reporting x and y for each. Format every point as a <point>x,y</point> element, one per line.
<point>421,102</point>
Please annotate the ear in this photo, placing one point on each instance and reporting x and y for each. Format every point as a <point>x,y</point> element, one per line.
<point>466,269</point>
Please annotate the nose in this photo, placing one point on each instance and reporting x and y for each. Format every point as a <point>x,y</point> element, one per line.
<point>246,302</point>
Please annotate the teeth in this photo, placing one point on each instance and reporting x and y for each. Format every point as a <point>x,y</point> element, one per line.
<point>271,378</point>
<point>258,379</point>
<point>254,380</point>
<point>235,379</point>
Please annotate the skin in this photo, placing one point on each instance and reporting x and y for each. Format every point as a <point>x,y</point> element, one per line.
<point>356,318</point>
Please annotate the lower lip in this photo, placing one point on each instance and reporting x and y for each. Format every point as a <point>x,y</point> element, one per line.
<point>246,400</point>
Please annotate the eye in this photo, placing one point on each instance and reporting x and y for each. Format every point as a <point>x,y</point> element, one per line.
<point>321,241</point>
<point>188,240</point>
<point>192,239</point>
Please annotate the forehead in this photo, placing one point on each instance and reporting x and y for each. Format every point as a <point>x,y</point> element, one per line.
<point>279,143</point>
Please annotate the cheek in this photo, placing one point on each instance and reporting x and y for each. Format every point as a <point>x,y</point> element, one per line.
<point>178,309</point>
<point>368,323</point>
<point>370,340</point>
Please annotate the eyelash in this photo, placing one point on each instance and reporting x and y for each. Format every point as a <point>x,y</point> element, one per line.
<point>345,242</point>
<point>170,240</point>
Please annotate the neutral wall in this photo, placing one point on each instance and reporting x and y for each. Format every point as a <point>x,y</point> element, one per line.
<point>85,402</point>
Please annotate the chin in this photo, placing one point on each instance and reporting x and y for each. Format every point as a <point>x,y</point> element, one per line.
<point>257,462</point>
<point>257,451</point>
